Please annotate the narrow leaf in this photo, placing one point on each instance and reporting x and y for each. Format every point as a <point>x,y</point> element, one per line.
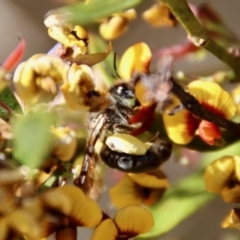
<point>85,14</point>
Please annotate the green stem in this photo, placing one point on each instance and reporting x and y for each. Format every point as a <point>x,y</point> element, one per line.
<point>198,35</point>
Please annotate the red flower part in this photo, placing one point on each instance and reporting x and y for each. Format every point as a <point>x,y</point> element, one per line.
<point>145,115</point>
<point>209,132</point>
<point>15,56</point>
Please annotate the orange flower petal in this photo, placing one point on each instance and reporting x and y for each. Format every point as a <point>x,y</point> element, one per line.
<point>113,27</point>
<point>218,174</point>
<point>3,229</point>
<point>159,15</point>
<point>156,180</point>
<point>23,222</point>
<point>142,94</point>
<point>212,96</point>
<point>209,132</point>
<point>105,230</point>
<point>134,220</point>
<point>73,203</point>
<point>125,193</point>
<point>181,126</point>
<point>231,194</point>
<point>136,59</point>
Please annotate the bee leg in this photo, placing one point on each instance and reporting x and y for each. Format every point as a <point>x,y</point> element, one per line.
<point>122,128</point>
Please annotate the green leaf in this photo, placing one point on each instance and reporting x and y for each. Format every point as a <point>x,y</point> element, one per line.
<point>32,141</point>
<point>7,97</point>
<point>177,204</point>
<point>85,14</point>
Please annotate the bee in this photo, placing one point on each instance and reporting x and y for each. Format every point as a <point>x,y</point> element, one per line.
<point>115,119</point>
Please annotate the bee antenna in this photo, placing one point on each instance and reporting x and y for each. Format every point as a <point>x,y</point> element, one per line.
<point>115,64</point>
<point>115,74</point>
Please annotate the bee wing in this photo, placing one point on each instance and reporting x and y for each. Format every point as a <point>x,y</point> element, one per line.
<point>86,178</point>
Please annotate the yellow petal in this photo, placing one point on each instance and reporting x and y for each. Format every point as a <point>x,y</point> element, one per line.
<point>136,59</point>
<point>231,194</point>
<point>24,222</point>
<point>233,219</point>
<point>36,79</point>
<point>130,14</point>
<point>114,27</point>
<point>134,220</point>
<point>3,229</point>
<point>105,230</point>
<point>219,173</point>
<point>125,193</point>
<point>155,180</point>
<point>77,85</point>
<point>73,203</point>
<point>142,94</point>
<point>180,126</point>
<point>74,37</point>
<point>159,15</point>
<point>65,143</point>
<point>212,96</point>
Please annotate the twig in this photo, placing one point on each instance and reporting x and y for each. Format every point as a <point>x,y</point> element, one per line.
<point>6,107</point>
<point>198,35</point>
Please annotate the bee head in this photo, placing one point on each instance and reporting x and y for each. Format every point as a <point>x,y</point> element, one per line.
<point>124,93</point>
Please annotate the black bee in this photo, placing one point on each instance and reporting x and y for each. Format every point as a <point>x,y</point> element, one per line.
<point>115,119</point>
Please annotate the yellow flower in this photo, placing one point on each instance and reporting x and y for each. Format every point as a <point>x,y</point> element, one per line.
<point>36,79</point>
<point>136,60</point>
<point>182,126</point>
<point>78,90</point>
<point>223,177</point>
<point>115,25</point>
<point>68,207</point>
<point>159,15</point>
<point>139,189</point>
<point>73,41</point>
<point>74,37</point>
<point>233,219</point>
<point>65,143</point>
<point>127,223</point>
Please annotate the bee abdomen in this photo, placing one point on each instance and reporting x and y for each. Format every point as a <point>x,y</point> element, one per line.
<point>151,160</point>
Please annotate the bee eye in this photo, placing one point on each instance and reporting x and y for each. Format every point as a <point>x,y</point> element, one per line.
<point>123,90</point>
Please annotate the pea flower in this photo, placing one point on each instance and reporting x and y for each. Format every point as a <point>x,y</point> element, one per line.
<point>73,37</point>
<point>127,223</point>
<point>136,61</point>
<point>65,143</point>
<point>182,126</point>
<point>159,15</point>
<point>233,219</point>
<point>144,188</point>
<point>72,41</point>
<point>36,80</point>
<point>115,25</point>
<point>223,177</point>
<point>66,208</point>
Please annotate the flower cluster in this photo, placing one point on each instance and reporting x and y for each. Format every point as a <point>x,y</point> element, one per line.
<point>52,170</point>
